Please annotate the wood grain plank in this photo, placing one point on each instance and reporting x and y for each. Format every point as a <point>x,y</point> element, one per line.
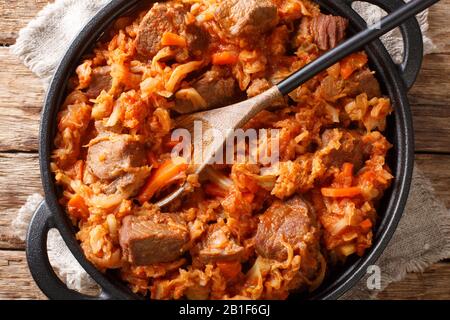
<point>439,16</point>
<point>433,284</point>
<point>21,97</point>
<point>15,278</point>
<point>431,128</point>
<point>14,15</point>
<point>437,169</point>
<point>19,178</point>
<point>431,87</point>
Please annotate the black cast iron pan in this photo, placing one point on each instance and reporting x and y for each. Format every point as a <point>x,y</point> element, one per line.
<point>394,79</point>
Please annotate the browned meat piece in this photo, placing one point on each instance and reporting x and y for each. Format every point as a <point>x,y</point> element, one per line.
<point>331,89</point>
<point>197,39</point>
<point>220,246</point>
<point>115,155</point>
<point>160,19</point>
<point>217,88</point>
<point>291,223</point>
<point>247,17</point>
<point>101,80</point>
<point>156,238</point>
<point>325,30</point>
<point>164,17</point>
<point>129,184</point>
<point>363,81</point>
<point>351,148</point>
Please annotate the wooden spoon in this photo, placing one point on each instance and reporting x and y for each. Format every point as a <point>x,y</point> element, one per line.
<point>226,120</point>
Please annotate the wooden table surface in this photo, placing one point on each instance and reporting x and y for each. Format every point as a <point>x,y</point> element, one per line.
<point>21,97</point>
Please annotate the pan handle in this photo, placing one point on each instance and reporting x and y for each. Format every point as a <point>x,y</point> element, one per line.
<point>39,264</point>
<point>412,38</point>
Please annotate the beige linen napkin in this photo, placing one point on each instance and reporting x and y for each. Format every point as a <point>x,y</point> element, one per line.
<point>423,235</point>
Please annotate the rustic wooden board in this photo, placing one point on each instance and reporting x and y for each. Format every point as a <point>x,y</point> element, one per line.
<point>437,169</point>
<point>432,284</point>
<point>431,89</point>
<point>19,178</point>
<point>21,97</point>
<point>439,17</point>
<point>15,278</point>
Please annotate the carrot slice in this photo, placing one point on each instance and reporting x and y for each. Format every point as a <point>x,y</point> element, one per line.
<point>352,63</point>
<point>77,207</point>
<point>168,172</point>
<point>347,174</point>
<point>224,58</point>
<point>366,225</point>
<point>347,169</point>
<point>341,192</point>
<point>172,39</point>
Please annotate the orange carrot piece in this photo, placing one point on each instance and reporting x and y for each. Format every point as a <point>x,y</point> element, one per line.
<point>172,39</point>
<point>162,177</point>
<point>352,63</point>
<point>224,58</point>
<point>341,192</point>
<point>230,269</point>
<point>77,207</point>
<point>347,169</point>
<point>366,225</point>
<point>347,174</point>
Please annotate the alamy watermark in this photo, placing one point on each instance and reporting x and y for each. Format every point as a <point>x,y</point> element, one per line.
<point>374,279</point>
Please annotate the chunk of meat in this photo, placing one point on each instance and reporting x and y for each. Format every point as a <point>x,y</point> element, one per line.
<point>157,238</point>
<point>325,30</point>
<point>291,223</point>
<point>129,184</point>
<point>115,155</point>
<point>247,17</point>
<point>363,81</point>
<point>220,246</point>
<point>197,39</point>
<point>331,89</point>
<point>341,146</point>
<point>216,87</point>
<point>101,80</point>
<point>166,17</point>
